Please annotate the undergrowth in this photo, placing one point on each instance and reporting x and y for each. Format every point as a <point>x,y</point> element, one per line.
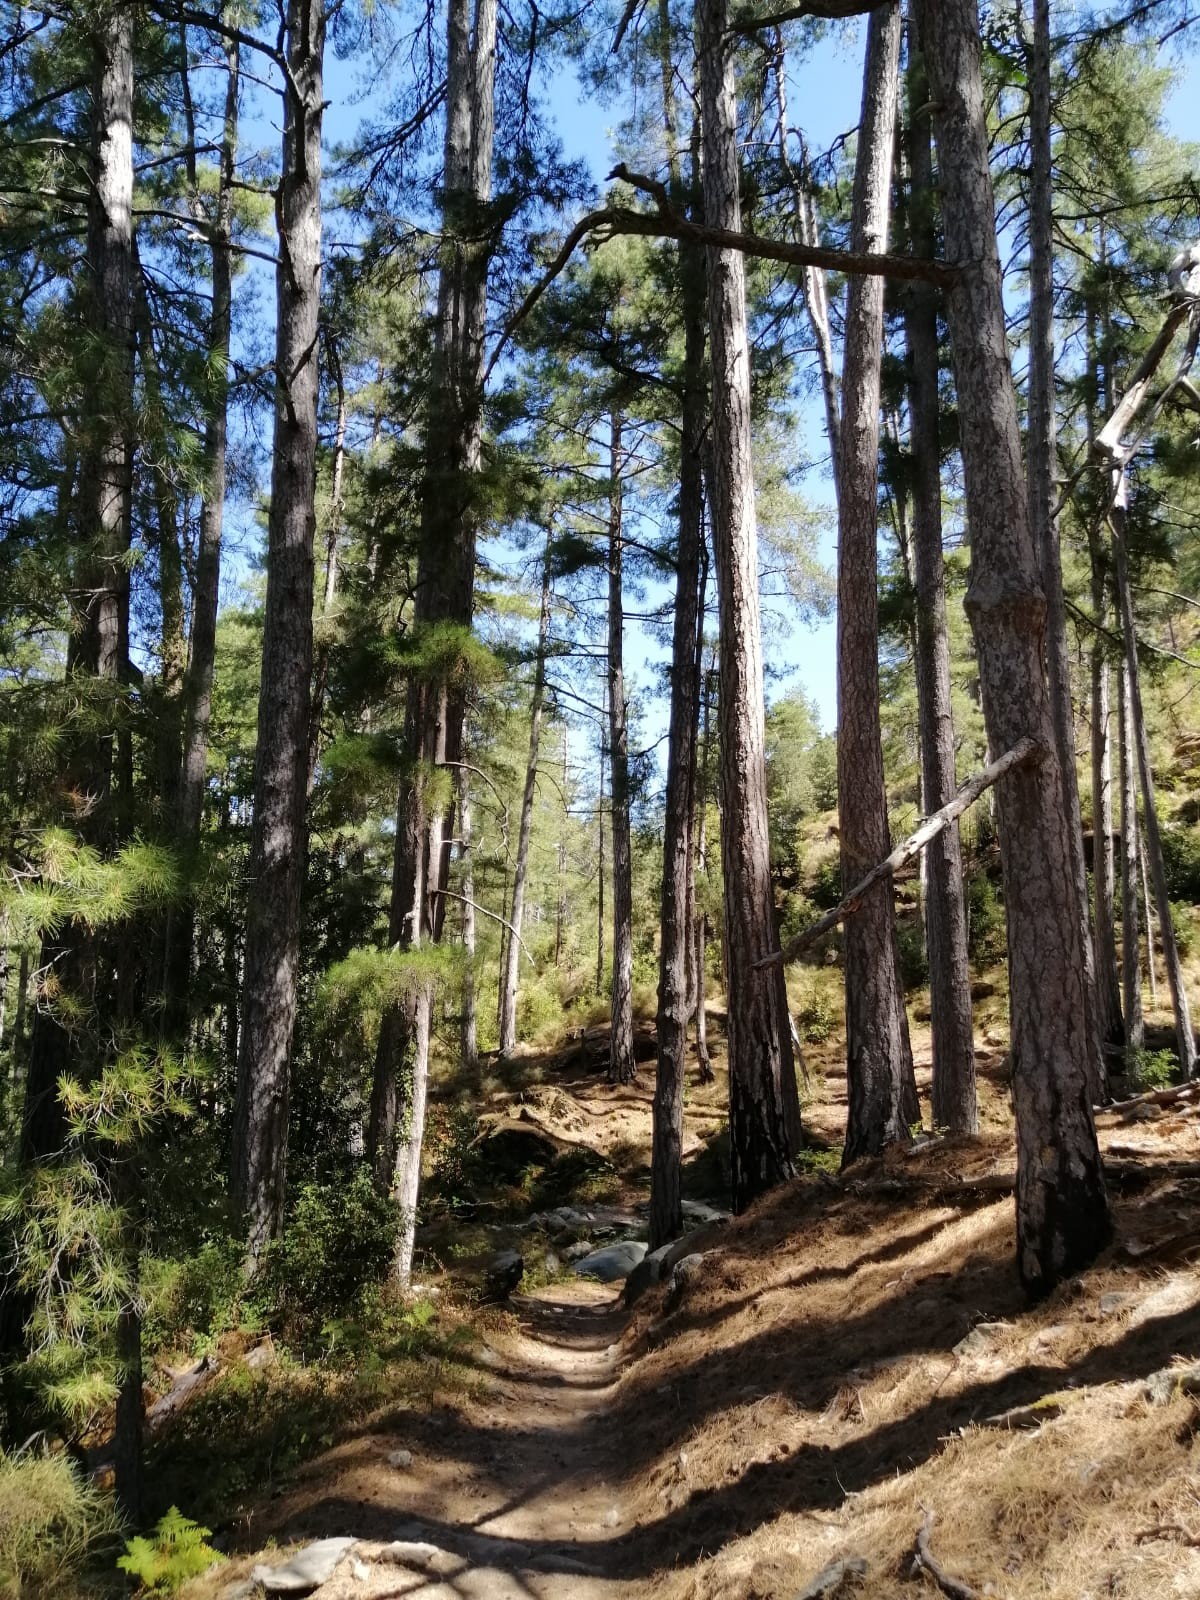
<point>54,1525</point>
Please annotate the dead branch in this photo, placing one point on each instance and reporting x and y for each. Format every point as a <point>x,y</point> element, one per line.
<point>1027,750</point>
<point>1025,1417</point>
<point>1108,440</point>
<point>484,912</point>
<point>1153,1097</point>
<point>665,223</point>
<point>832,1577</point>
<point>824,10</point>
<point>923,1559</point>
<point>1168,1530</point>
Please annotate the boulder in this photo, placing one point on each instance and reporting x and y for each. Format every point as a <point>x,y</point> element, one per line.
<point>685,1275</point>
<point>656,1267</point>
<point>613,1263</point>
<point>307,1570</point>
<point>502,1275</point>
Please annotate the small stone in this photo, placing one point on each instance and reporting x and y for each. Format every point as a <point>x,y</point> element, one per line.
<point>684,1276</point>
<point>400,1458</point>
<point>308,1569</point>
<point>982,1339</point>
<point>577,1251</point>
<point>359,1570</point>
<point>612,1517</point>
<point>1162,1387</point>
<point>1111,1304</point>
<point>503,1274</point>
<point>263,1355</point>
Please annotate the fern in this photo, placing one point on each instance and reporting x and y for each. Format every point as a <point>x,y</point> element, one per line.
<point>174,1553</point>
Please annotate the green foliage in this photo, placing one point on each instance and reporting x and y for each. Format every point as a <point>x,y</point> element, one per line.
<point>1181,857</point>
<point>816,1016</point>
<point>174,1553</point>
<point>196,1297</point>
<point>451,1133</point>
<point>53,1523</point>
<point>825,890</point>
<point>912,954</point>
<point>339,1241</point>
<point>1150,1069</point>
<point>987,936</point>
<point>1183,921</point>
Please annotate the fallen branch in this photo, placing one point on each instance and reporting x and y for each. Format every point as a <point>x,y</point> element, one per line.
<point>1168,1530</point>
<point>1153,1097</point>
<point>923,1559</point>
<point>1108,440</point>
<point>484,912</point>
<point>1027,750</point>
<point>1025,1417</point>
<point>831,1578</point>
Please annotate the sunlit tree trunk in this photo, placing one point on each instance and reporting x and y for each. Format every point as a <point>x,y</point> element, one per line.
<point>954,1098</point>
<point>760,1053</point>
<point>622,1068</point>
<point>516,916</point>
<point>271,955</point>
<point>1135,1033</point>
<point>882,1089</point>
<point>1062,1208</point>
<point>469,1027</point>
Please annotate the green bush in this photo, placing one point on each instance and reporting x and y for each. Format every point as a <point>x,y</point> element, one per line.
<point>912,954</point>
<point>174,1553</point>
<point>201,1296</point>
<point>816,1017</point>
<point>1150,1069</point>
<point>1181,857</point>
<point>339,1242</point>
<point>451,1134</point>
<point>52,1525</point>
<point>986,927</point>
<point>1185,932</point>
<point>826,888</point>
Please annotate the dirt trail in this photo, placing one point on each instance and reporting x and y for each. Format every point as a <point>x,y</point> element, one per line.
<point>507,1494</point>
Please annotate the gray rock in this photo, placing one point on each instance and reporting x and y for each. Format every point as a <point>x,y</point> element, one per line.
<point>656,1267</point>
<point>982,1340</point>
<point>831,1580</point>
<point>400,1458</point>
<point>1111,1304</point>
<point>577,1251</point>
<point>700,1215</point>
<point>307,1570</point>
<point>613,1263</point>
<point>503,1274</point>
<point>1162,1387</point>
<point>684,1277</point>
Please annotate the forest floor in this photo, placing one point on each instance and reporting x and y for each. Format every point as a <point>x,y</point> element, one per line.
<point>853,1362</point>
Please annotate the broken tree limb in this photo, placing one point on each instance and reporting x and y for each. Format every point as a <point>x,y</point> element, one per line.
<point>1027,750</point>
<point>923,1559</point>
<point>1108,440</point>
<point>1153,1097</point>
<point>664,223</point>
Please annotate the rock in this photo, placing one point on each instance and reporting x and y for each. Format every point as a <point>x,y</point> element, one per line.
<point>684,1276</point>
<point>551,1265</point>
<point>700,1214</point>
<point>262,1356</point>
<point>613,1263</point>
<point>1162,1387</point>
<point>832,1579</point>
<point>502,1275</point>
<point>982,1340</point>
<point>308,1569</point>
<point>1111,1304</point>
<point>577,1251</point>
<point>359,1570</point>
<point>400,1458</point>
<point>240,1589</point>
<point>656,1267</point>
<point>422,1555</point>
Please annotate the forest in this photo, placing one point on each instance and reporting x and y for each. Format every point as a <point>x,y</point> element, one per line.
<point>599,836</point>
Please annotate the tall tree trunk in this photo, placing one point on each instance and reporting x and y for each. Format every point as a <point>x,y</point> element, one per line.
<point>1149,910</point>
<point>677,952</point>
<point>469,1027</point>
<point>1135,1033</point>
<point>600,875</point>
<point>701,865</point>
<point>100,587</point>
<point>333,530</point>
<point>955,1105</point>
<point>1042,490</point>
<point>622,1068</point>
<point>1062,1207</point>
<point>1184,1040</point>
<point>761,1069</point>
<point>197,689</point>
<point>271,955</point>
<point>1108,987</point>
<point>450,512</point>
<point>512,950</point>
<point>882,1089</point>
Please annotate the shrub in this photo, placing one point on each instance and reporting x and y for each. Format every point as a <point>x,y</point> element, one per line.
<point>1150,1069</point>
<point>816,1017</point>
<point>176,1552</point>
<point>339,1241</point>
<point>201,1295</point>
<point>826,889</point>
<point>912,954</point>
<point>1185,933</point>
<point>52,1524</point>
<point>1181,857</point>
<point>986,928</point>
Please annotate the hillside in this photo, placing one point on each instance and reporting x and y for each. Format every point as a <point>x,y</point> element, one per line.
<point>846,1365</point>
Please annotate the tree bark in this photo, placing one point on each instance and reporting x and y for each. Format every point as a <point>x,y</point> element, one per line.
<point>1184,1039</point>
<point>600,875</point>
<point>955,1105</point>
<point>1062,1207</point>
<point>1149,910</point>
<point>879,1069</point>
<point>622,1068</point>
<point>198,681</point>
<point>469,1029</point>
<point>450,513</point>
<point>678,953</point>
<point>1135,1031</point>
<point>277,843</point>
<point>760,1052</point>
<point>701,865</point>
<point>1042,488</point>
<point>324,647</point>
<point>516,916</point>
